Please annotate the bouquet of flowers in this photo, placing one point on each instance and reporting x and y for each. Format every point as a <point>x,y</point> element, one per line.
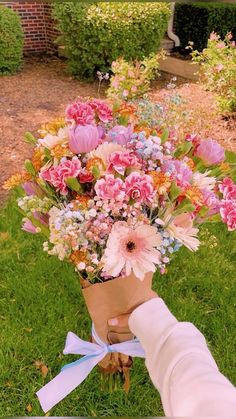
<point>116,195</point>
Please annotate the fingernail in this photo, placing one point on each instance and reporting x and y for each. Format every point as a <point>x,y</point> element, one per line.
<point>113,322</point>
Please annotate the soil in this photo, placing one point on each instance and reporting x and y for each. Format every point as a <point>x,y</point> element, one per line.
<point>41,91</point>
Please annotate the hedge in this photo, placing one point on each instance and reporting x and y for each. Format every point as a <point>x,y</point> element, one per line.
<point>96,34</point>
<point>11,41</point>
<point>194,22</point>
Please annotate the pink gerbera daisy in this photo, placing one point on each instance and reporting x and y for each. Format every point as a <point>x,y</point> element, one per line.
<point>131,249</point>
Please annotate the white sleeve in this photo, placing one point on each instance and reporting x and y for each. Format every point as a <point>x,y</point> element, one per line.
<point>181,365</point>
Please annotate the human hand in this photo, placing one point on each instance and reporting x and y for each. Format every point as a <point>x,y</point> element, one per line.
<point>119,326</point>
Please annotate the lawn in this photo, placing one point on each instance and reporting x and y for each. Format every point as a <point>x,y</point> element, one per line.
<point>41,301</point>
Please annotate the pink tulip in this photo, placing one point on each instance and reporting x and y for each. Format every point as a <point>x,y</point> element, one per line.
<point>31,188</point>
<point>83,138</point>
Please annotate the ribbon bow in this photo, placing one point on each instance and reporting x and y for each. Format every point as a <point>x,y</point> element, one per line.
<point>73,374</point>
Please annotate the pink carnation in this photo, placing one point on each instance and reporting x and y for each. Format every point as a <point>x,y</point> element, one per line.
<point>139,187</point>
<point>210,152</point>
<point>102,110</point>
<point>110,188</point>
<point>81,113</point>
<point>228,188</point>
<point>228,213</point>
<point>121,160</point>
<point>57,175</point>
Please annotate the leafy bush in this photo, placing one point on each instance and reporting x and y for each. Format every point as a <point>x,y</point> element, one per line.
<point>195,22</point>
<point>96,34</point>
<point>11,41</point>
<point>218,69</point>
<point>131,80</point>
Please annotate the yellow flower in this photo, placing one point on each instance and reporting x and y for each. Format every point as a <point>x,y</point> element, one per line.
<point>61,150</point>
<point>15,180</point>
<point>52,127</point>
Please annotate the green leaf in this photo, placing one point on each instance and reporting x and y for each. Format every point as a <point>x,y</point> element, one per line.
<point>183,149</point>
<point>30,168</point>
<point>164,136</point>
<point>30,139</point>
<point>73,184</point>
<point>185,206</point>
<point>175,191</point>
<point>230,156</point>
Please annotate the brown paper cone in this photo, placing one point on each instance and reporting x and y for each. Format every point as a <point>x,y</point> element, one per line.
<point>111,299</point>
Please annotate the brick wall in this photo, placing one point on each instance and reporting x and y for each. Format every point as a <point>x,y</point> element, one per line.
<point>38,25</point>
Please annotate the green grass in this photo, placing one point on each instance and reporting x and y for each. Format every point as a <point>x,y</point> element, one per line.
<point>38,292</point>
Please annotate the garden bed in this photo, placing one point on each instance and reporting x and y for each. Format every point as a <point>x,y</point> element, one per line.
<point>42,90</point>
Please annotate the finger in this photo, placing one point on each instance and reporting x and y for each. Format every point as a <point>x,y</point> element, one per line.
<point>119,322</point>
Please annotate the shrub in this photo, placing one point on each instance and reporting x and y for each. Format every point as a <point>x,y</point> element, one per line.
<point>96,34</point>
<point>195,22</point>
<point>131,80</point>
<point>218,69</point>
<point>11,41</point>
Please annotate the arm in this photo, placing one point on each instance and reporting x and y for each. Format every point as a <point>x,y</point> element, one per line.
<point>180,364</point>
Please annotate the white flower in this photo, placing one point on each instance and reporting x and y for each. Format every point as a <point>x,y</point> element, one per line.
<point>50,141</point>
<point>202,180</point>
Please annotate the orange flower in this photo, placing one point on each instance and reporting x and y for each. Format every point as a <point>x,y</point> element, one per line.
<point>127,110</point>
<point>95,162</point>
<point>194,194</point>
<point>139,128</point>
<point>224,167</point>
<point>190,163</point>
<point>61,150</point>
<point>37,159</point>
<point>80,202</point>
<point>78,256</point>
<point>161,181</point>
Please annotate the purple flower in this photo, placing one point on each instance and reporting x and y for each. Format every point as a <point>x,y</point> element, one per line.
<point>28,227</point>
<point>83,138</point>
<point>210,152</point>
<point>178,171</point>
<point>31,188</point>
<point>120,134</point>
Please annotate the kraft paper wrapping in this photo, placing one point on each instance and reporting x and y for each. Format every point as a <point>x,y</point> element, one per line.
<point>111,299</point>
